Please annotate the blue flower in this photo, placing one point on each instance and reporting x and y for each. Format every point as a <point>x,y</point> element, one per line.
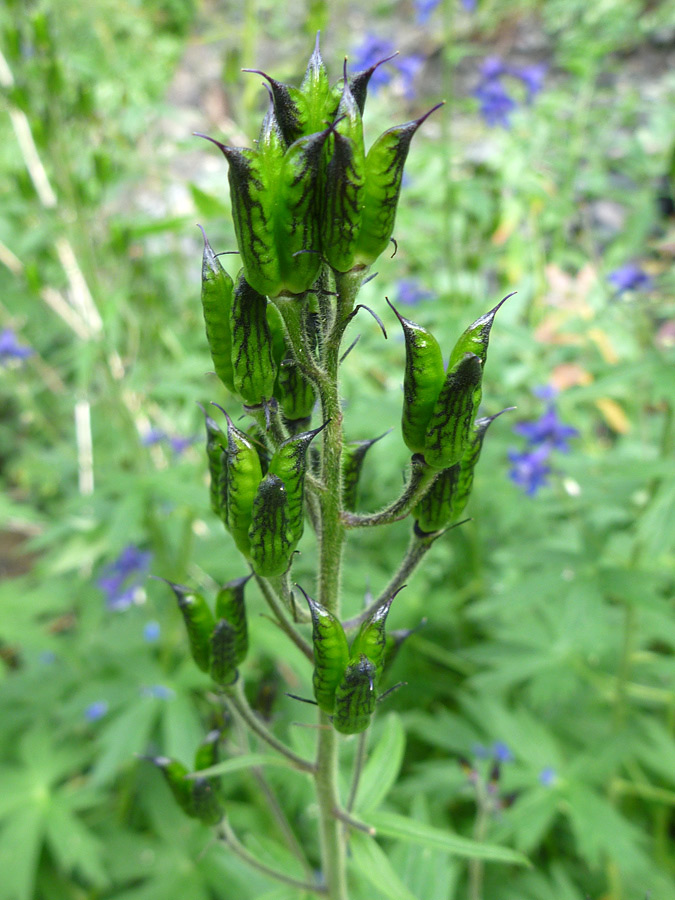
<point>372,50</point>
<point>529,469</point>
<point>158,691</point>
<point>547,776</point>
<point>151,632</point>
<point>469,5</point>
<point>96,710</point>
<point>531,76</point>
<point>410,292</point>
<point>120,580</point>
<point>10,347</point>
<point>424,9</point>
<point>178,443</point>
<point>502,752</point>
<point>547,429</point>
<point>154,436</point>
<point>630,278</point>
<point>496,105</point>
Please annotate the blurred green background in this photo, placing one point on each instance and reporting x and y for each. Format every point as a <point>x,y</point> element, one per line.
<point>547,662</point>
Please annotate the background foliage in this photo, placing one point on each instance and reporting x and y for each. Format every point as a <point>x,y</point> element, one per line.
<point>539,712</point>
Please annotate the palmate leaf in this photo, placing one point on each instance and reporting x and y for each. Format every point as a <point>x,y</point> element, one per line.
<point>382,768</point>
<point>20,843</point>
<point>74,847</point>
<point>396,826</point>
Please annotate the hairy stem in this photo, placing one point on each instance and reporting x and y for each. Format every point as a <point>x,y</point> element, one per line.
<point>421,478</point>
<point>282,619</point>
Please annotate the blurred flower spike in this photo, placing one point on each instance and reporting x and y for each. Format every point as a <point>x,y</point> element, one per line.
<point>547,776</point>
<point>372,50</point>
<point>529,470</point>
<point>96,710</point>
<point>496,103</point>
<point>122,579</point>
<point>178,443</point>
<point>410,293</point>
<point>11,349</point>
<point>630,278</point>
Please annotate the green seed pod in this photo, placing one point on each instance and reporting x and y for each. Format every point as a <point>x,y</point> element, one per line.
<point>331,654</point>
<point>252,356</point>
<point>353,457</point>
<point>223,653</point>
<point>217,288</point>
<point>270,534</point>
<point>449,428</point>
<point>253,177</point>
<point>215,445</point>
<point>436,508</point>
<point>359,83</point>
<point>295,393</point>
<point>243,475</point>
<point>174,773</point>
<point>206,802</point>
<point>289,463</point>
<point>383,176</point>
<point>371,639</point>
<point>355,697</point>
<point>422,382</point>
<point>206,754</point>
<point>476,337</point>
<point>468,464</point>
<point>230,605</point>
<point>199,623</point>
<point>343,185</point>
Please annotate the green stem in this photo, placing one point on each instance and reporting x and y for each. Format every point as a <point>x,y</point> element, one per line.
<point>359,762</point>
<point>230,839</point>
<point>421,478</point>
<point>282,619</point>
<point>333,853</point>
<point>236,701</point>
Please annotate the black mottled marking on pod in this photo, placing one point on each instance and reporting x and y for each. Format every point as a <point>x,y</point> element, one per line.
<point>230,605</point>
<point>468,464</point>
<point>353,457</point>
<point>449,428</point>
<point>216,442</point>
<point>252,358</point>
<point>436,508</point>
<point>371,639</point>
<point>355,697</point>
<point>331,654</point>
<point>343,182</point>
<point>296,394</point>
<point>243,473</point>
<point>359,83</point>
<point>270,534</point>
<point>289,462</point>
<point>223,652</point>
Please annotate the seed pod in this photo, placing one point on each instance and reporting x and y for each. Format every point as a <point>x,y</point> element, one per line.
<point>199,623</point>
<point>223,653</point>
<point>449,428</point>
<point>295,393</point>
<point>252,358</point>
<point>174,773</point>
<point>355,697</point>
<point>270,534</point>
<point>383,171</point>
<point>206,754</point>
<point>353,457</point>
<point>422,382</point>
<point>371,639</point>
<point>243,473</point>
<point>215,445</point>
<point>230,605</point>
<point>436,509</point>
<point>217,288</point>
<point>468,464</point>
<point>207,805</point>
<point>359,82</point>
<point>476,337</point>
<point>343,183</point>
<point>331,654</point>
<point>289,463</point>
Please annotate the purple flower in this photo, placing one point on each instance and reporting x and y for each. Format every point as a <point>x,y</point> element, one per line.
<point>121,579</point>
<point>408,67</point>
<point>529,469</point>
<point>469,5</point>
<point>501,752</point>
<point>630,278</point>
<point>547,430</point>
<point>410,292</point>
<point>547,776</point>
<point>492,67</point>
<point>372,50</point>
<point>531,76</point>
<point>96,710</point>
<point>151,632</point>
<point>10,347</point>
<point>154,436</point>
<point>495,104</point>
<point>424,9</point>
<point>180,444</point>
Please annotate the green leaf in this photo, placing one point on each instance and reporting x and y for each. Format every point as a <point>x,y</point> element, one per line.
<point>243,762</point>
<point>404,829</point>
<point>125,737</point>
<point>372,862</point>
<point>381,770</point>
<point>74,846</point>
<point>19,853</point>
